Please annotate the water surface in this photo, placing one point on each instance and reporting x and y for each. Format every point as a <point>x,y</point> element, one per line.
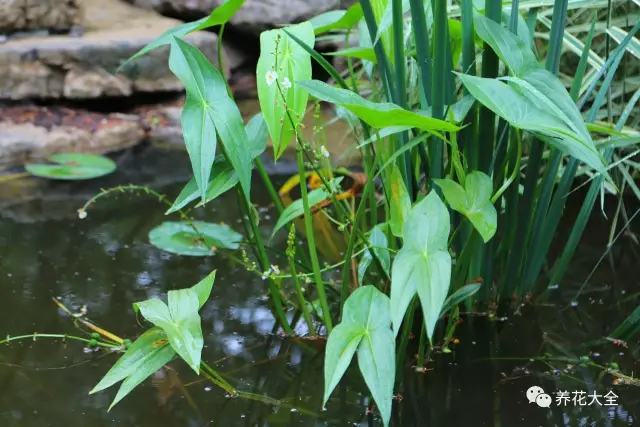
<point>105,263</point>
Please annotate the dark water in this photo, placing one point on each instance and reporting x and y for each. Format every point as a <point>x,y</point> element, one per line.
<point>106,263</point>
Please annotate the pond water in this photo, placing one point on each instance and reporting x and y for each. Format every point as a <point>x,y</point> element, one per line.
<point>106,263</point>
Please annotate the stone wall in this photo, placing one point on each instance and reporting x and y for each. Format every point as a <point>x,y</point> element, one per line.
<point>255,15</point>
<point>28,15</point>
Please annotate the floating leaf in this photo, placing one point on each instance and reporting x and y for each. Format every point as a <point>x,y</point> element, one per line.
<point>209,108</point>
<point>296,209</point>
<point>378,115</point>
<point>473,201</point>
<point>218,16</point>
<point>73,166</point>
<point>194,238</point>
<point>145,353</point>
<point>365,329</point>
<point>423,265</point>
<point>282,64</point>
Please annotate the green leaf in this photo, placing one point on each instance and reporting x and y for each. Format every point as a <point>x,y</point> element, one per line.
<point>281,65</point>
<point>72,167</point>
<point>524,107</point>
<point>218,16</point>
<point>139,361</point>
<point>180,321</point>
<point>366,53</point>
<point>467,291</point>
<point>511,49</point>
<point>296,209</point>
<point>208,107</point>
<point>341,346</point>
<point>366,323</point>
<point>223,178</point>
<point>153,363</point>
<point>376,352</point>
<point>194,238</point>
<point>399,200</point>
<point>377,115</point>
<point>379,246</point>
<point>423,265</point>
<point>203,288</point>
<point>337,19</point>
<point>135,356</point>
<point>629,328</point>
<point>473,201</point>
<point>258,133</point>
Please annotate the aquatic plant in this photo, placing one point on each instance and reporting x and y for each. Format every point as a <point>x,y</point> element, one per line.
<point>470,147</point>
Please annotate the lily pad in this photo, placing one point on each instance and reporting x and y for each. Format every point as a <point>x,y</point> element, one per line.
<point>195,238</point>
<point>72,167</point>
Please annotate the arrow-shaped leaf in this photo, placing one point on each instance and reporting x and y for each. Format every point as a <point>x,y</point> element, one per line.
<point>423,265</point>
<point>473,201</point>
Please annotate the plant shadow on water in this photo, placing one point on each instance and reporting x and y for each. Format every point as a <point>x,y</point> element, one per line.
<point>105,262</point>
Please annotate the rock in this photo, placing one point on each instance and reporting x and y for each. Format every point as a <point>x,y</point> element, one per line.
<point>27,15</point>
<point>255,15</point>
<point>30,133</point>
<point>84,66</point>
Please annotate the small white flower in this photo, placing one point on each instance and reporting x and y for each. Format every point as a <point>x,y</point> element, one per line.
<point>271,77</point>
<point>275,269</point>
<point>324,151</point>
<point>82,214</point>
<point>286,83</point>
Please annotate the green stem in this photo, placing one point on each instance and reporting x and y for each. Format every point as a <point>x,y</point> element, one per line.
<point>300,294</point>
<point>313,253</point>
<point>263,259</point>
<point>275,198</point>
<point>36,336</point>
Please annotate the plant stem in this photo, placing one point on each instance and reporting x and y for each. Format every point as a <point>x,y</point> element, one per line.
<point>300,294</point>
<point>311,243</point>
<point>263,259</point>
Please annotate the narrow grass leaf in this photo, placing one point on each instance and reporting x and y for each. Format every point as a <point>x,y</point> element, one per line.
<point>462,294</point>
